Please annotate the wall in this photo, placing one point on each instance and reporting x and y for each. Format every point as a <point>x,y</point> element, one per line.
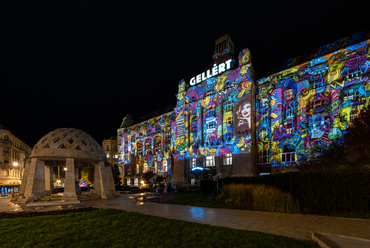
<point>311,103</point>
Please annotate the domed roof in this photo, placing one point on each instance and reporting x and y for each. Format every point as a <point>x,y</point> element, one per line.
<point>68,143</point>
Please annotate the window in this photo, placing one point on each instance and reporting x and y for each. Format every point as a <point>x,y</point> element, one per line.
<point>115,155</point>
<point>229,136</point>
<point>137,169</point>
<point>264,157</point>
<point>107,147</point>
<point>350,94</point>
<point>228,159</point>
<point>229,107</point>
<point>263,134</point>
<point>288,157</point>
<point>145,169</point>
<point>107,155</point>
<point>354,74</point>
<point>211,125</point>
<point>136,182</point>
<point>290,113</point>
<point>289,94</point>
<point>194,123</point>
<point>228,113</point>
<point>318,103</point>
<point>289,128</point>
<point>128,182</point>
<point>164,165</point>
<point>229,120</point>
<point>211,112</point>
<point>264,103</point>
<point>192,181</point>
<point>210,161</point>
<point>193,162</point>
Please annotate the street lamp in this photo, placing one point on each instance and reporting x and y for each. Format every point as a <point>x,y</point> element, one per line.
<point>15,164</point>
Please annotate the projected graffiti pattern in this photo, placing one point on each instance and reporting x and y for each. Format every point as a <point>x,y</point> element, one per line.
<point>311,103</point>
<point>214,117</point>
<point>148,144</point>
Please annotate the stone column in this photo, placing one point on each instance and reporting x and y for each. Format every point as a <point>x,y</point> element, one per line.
<point>77,180</point>
<point>49,177</point>
<point>109,173</point>
<point>22,188</point>
<point>69,186</point>
<point>35,185</point>
<point>100,181</point>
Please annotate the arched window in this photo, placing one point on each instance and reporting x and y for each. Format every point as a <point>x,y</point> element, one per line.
<point>6,137</point>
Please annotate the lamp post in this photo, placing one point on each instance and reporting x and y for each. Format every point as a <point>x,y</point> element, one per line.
<point>15,164</point>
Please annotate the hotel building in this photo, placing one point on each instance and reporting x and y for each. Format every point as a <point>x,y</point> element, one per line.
<point>228,121</point>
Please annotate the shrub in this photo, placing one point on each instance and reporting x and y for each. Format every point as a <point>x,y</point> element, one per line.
<point>259,197</point>
<point>335,192</point>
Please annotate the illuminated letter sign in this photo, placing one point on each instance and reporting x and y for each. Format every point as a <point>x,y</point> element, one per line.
<point>216,69</point>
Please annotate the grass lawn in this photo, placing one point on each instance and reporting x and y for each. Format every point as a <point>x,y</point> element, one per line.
<point>199,200</point>
<point>117,228</point>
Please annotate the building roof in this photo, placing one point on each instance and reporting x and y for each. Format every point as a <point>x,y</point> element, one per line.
<point>319,52</point>
<point>3,127</point>
<point>128,120</point>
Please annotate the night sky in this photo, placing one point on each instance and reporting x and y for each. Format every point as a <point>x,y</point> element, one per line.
<point>86,64</point>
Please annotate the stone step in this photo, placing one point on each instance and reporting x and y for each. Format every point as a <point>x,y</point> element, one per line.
<point>56,195</point>
<point>83,198</point>
<point>45,198</point>
<point>95,198</point>
<point>55,199</point>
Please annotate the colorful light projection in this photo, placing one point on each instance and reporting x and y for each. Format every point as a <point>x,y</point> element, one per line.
<point>148,145</point>
<point>311,103</point>
<point>214,118</point>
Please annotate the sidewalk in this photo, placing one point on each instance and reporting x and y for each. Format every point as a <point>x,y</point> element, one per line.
<point>296,226</point>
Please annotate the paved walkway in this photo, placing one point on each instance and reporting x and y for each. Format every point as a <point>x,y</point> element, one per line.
<point>297,226</point>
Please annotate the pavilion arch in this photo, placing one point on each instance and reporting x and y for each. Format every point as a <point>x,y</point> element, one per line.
<point>70,148</point>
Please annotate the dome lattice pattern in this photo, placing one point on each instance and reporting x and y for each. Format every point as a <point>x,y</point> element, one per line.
<point>69,138</point>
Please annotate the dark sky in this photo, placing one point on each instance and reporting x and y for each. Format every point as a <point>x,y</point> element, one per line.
<point>86,64</point>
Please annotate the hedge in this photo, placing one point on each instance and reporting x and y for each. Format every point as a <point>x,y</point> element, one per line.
<point>339,192</point>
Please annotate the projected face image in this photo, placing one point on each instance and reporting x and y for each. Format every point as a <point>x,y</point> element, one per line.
<point>243,115</point>
<point>246,110</point>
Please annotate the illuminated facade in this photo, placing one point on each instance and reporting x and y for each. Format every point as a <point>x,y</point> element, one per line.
<point>13,153</point>
<point>145,145</point>
<point>226,121</point>
<point>110,148</point>
<point>311,100</point>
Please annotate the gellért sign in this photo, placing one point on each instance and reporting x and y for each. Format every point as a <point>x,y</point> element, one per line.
<point>216,69</point>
